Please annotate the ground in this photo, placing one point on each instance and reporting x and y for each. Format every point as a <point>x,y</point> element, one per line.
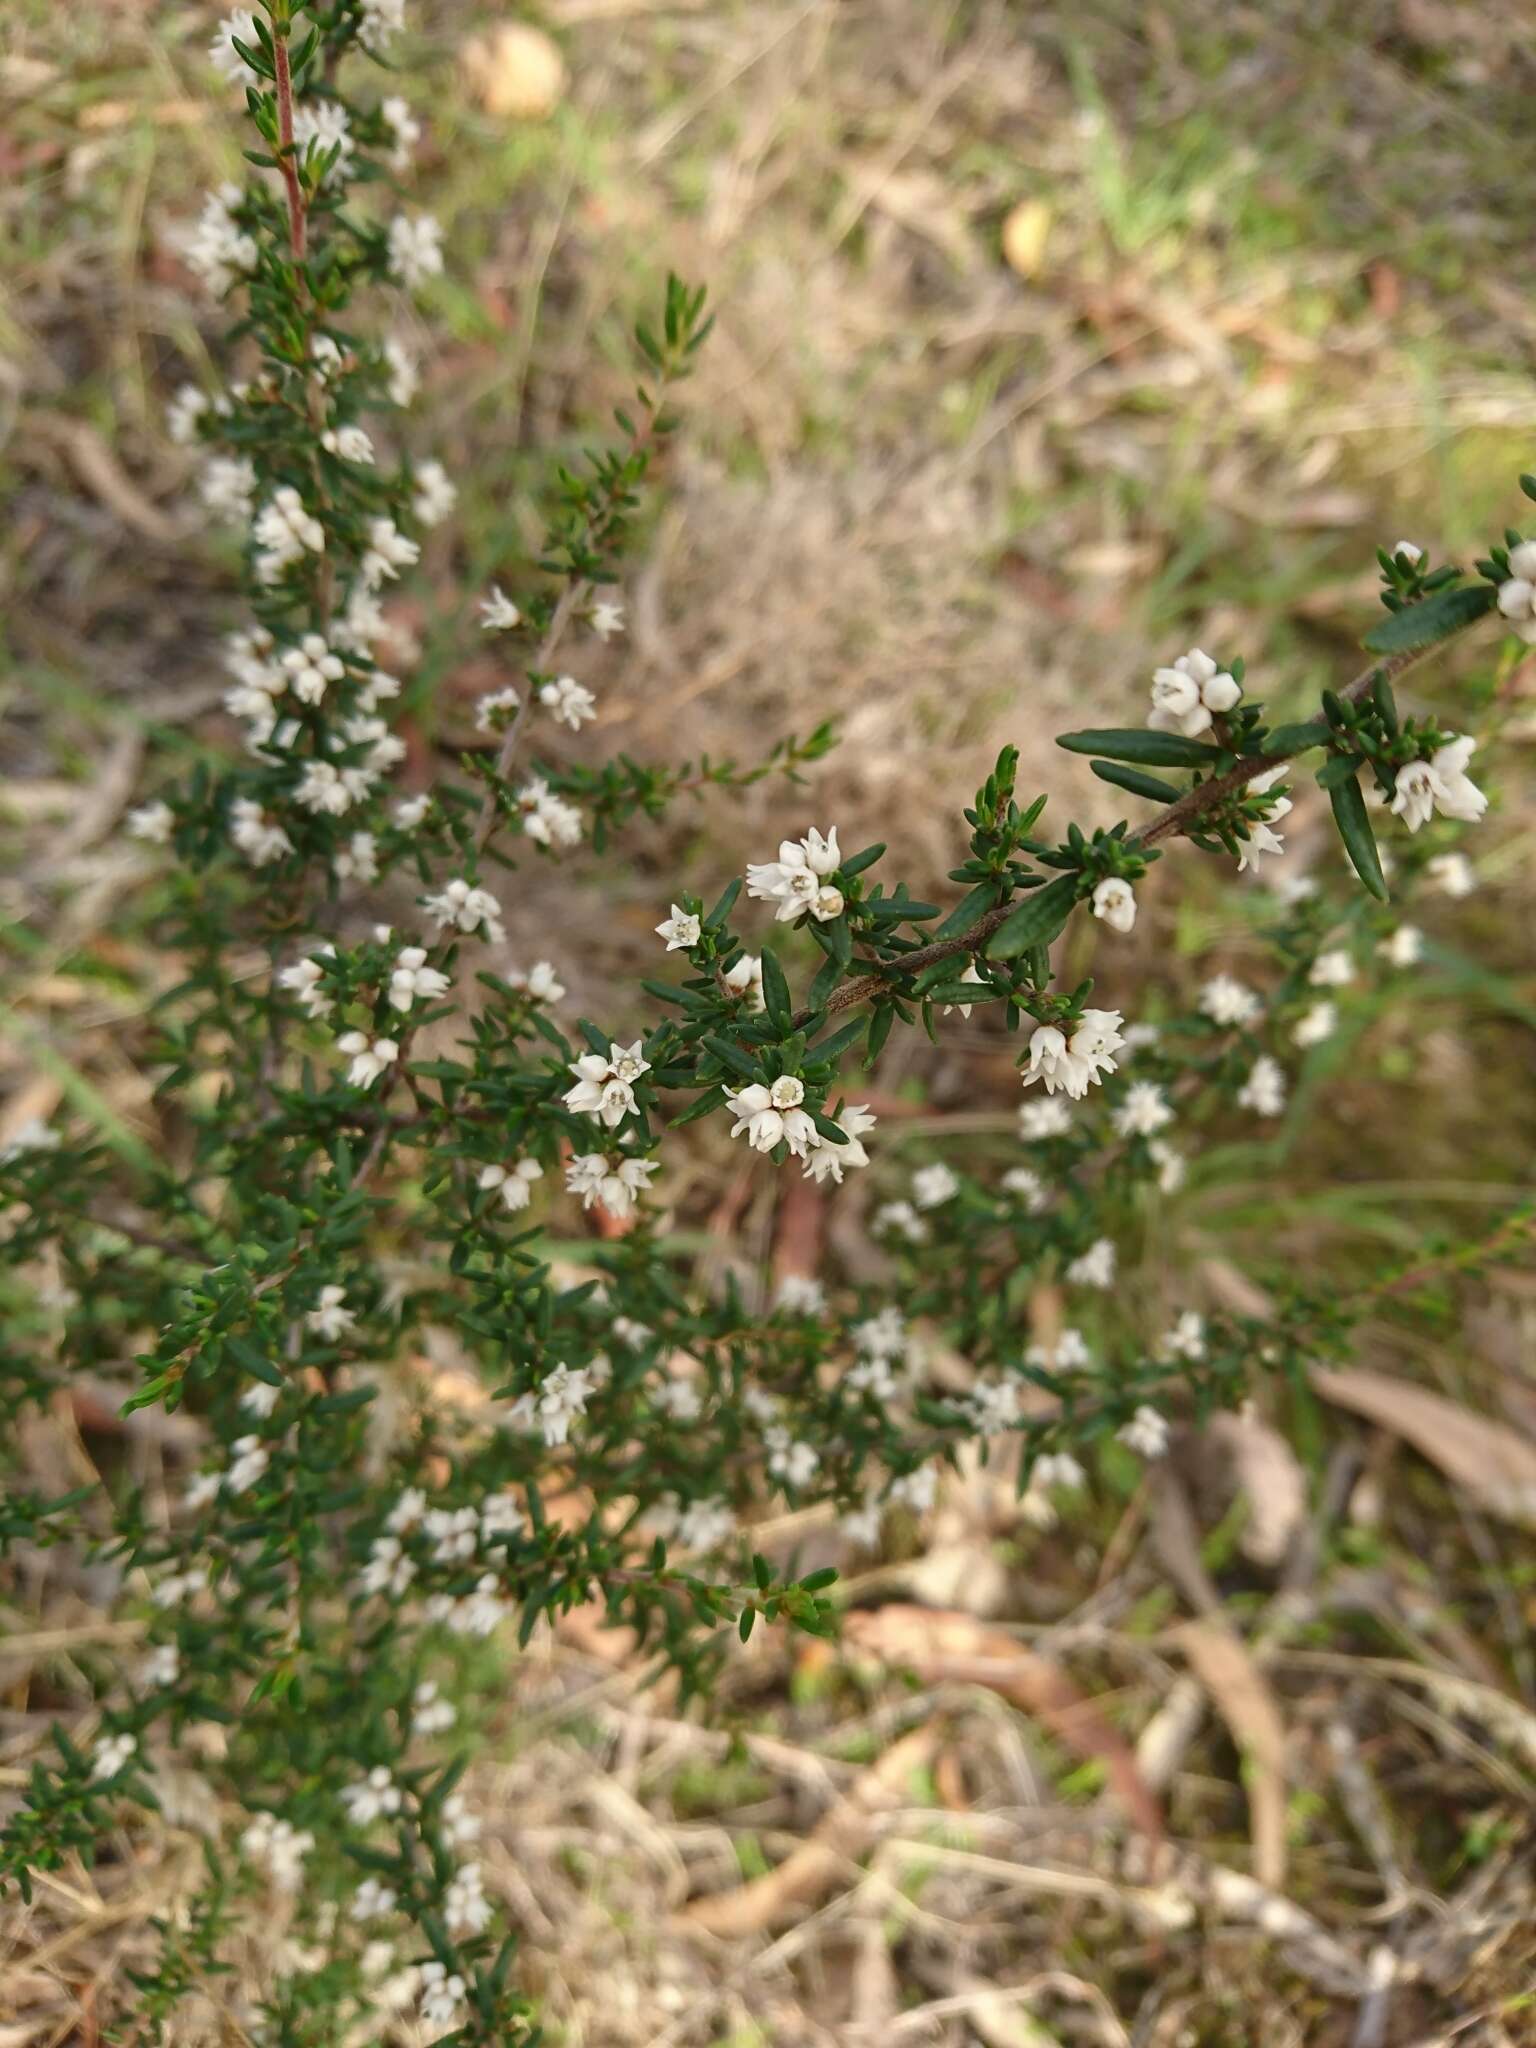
<point>1050,341</point>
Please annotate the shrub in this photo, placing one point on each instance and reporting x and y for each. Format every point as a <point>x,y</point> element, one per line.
<point>380,1128</point>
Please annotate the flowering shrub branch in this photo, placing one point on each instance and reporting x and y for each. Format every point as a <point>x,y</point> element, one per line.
<point>378,1122</point>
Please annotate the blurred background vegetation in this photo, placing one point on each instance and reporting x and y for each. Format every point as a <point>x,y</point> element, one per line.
<point>1051,340</point>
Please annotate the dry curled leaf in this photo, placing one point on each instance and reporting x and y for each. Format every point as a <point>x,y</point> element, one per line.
<point>1221,1661</point>
<point>1496,1468</point>
<point>946,1648</point>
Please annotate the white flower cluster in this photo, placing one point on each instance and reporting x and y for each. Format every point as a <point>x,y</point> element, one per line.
<point>548,819</point>
<point>279,1848</point>
<point>460,906</point>
<point>1440,783</point>
<point>605,1083</point>
<point>1074,1064</point>
<point>1189,696</point>
<point>1517,594</point>
<point>796,881</point>
<point>218,250</point>
<point>554,1404</point>
<point>614,1183</point>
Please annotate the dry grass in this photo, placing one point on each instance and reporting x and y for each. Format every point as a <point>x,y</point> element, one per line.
<point>1264,310</point>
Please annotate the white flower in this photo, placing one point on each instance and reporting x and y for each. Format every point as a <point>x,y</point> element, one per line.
<point>606,618</point>
<point>1452,874</point>
<point>1187,1337</point>
<point>1261,839</point>
<point>410,811</point>
<point>861,1525</point>
<point>1058,1468</point>
<point>540,983</point>
<point>934,1185</point>
<point>280,1846</point>
<point>404,377</point>
<point>793,1464</point>
<point>1185,696</point>
<point>605,1083</point>
<point>552,1406</point>
<point>917,1490</point>
<point>680,930</point>
<point>378,21</point>
<point>1094,1267</point>
<point>1144,1111</point>
<point>829,1161</point>
<point>706,1524</point>
<point>1114,901</point>
<point>1440,783</point>
<point>388,552</point>
<point>498,614</point>
<point>766,1124</point>
<point>794,880</point>
<point>1146,1433</point>
<point>435,496</point>
<point>1264,1090</point>
<point>250,1461</point>
<point>429,1714</point>
<point>323,788</point>
<point>1031,1190</point>
<point>495,710</point>
<point>303,979</point>
<point>260,1398</point>
<point>403,126</point>
<point>370,1057</point>
<point>800,1295</point>
<point>226,484</point>
<point>218,250</point>
<point>1405,948</point>
<point>1043,1118</point>
<point>358,860</point>
<point>310,668</point>
<point>153,822</point>
<point>1410,551</point>
<point>1318,1023</point>
<point>442,1995</point>
<point>223,55</point>
<point>330,1318</point>
<point>377,1794</point>
<point>614,1185</point>
<point>971,974</point>
<point>1335,969</point>
<point>201,1488</point>
<point>283,530</point>
<point>323,125</point>
<point>411,977</point>
<point>461,907</point>
<point>548,819</point>
<point>568,701</point>
<point>372,1900</point>
<point>515,1181</point>
<point>1075,1064</point>
<point>1171,1166</point>
<point>111,1755</point>
<point>183,414</point>
<point>899,1219</point>
<point>1517,596</point>
<point>1226,1001</point>
<point>466,1909</point>
<point>161,1668</point>
<point>415,248</point>
<point>746,978</point>
<point>351,444</point>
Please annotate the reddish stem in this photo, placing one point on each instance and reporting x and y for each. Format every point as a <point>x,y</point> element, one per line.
<point>285,161</point>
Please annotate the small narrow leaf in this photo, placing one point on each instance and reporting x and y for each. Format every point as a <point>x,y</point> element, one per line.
<point>1036,921</point>
<point>1421,625</point>
<point>1149,749</point>
<point>1149,786</point>
<point>1354,823</point>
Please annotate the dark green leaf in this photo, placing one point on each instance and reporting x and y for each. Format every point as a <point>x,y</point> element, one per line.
<point>1148,749</point>
<point>1354,823</point>
<point>1036,921</point>
<point>1421,625</point>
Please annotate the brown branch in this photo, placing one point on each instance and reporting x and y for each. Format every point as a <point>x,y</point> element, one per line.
<point>285,162</point>
<point>1173,821</point>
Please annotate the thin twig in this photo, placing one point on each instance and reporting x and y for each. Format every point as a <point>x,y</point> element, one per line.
<point>296,221</point>
<point>1175,820</point>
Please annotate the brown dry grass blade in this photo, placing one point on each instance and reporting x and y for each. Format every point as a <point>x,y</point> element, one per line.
<point>1221,1662</point>
<point>1494,1466</point>
<point>809,1872</point>
<point>946,1648</point>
